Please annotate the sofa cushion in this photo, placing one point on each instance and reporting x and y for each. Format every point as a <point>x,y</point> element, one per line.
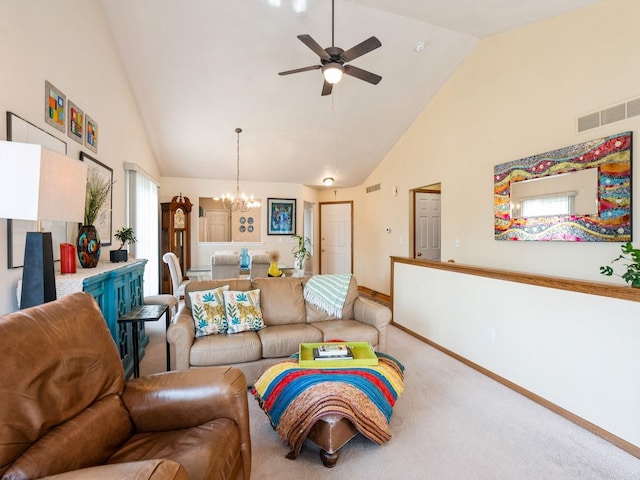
<point>243,311</point>
<point>234,284</point>
<point>347,330</point>
<point>207,451</point>
<point>225,349</point>
<point>281,300</point>
<point>284,340</point>
<point>315,314</point>
<point>207,310</point>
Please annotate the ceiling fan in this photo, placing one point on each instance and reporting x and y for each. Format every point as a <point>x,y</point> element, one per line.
<point>333,60</point>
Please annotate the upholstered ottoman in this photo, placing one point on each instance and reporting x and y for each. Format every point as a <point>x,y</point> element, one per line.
<point>329,406</point>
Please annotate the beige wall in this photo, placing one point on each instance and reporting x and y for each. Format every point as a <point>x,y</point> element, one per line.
<point>67,43</point>
<point>516,95</point>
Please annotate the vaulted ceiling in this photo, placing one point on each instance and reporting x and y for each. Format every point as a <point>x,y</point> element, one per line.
<point>200,68</point>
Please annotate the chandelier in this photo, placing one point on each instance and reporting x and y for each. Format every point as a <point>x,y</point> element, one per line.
<point>238,202</point>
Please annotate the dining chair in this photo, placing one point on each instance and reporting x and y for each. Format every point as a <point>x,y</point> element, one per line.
<point>177,280</point>
<point>225,265</point>
<point>259,266</point>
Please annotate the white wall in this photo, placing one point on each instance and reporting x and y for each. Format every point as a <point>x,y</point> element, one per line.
<point>516,95</point>
<point>575,350</point>
<point>67,42</point>
<point>195,188</point>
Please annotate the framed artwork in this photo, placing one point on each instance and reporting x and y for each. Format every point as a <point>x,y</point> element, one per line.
<point>91,134</point>
<point>19,130</point>
<point>580,193</point>
<point>75,128</point>
<point>281,216</point>
<point>103,221</point>
<point>55,106</point>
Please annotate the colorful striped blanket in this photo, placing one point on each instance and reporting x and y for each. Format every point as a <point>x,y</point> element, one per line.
<point>328,292</point>
<point>295,398</point>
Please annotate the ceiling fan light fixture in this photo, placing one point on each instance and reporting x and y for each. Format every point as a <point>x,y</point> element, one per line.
<point>328,181</point>
<point>332,72</point>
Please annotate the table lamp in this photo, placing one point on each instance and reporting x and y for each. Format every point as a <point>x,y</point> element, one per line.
<point>40,184</point>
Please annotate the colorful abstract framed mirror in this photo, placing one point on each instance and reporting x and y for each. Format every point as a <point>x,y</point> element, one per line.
<point>580,193</point>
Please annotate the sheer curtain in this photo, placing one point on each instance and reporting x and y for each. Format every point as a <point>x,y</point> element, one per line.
<point>142,215</point>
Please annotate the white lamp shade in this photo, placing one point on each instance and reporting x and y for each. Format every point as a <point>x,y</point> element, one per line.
<point>40,184</point>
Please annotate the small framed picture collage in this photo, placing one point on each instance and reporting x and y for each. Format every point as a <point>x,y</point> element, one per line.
<point>67,116</point>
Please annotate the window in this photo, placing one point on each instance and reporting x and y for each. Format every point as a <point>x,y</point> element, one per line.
<point>142,215</point>
<point>542,207</point>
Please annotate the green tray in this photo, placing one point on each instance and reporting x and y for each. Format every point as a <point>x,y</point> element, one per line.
<point>363,354</point>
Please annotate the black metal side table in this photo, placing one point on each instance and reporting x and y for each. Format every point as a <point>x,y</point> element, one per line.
<point>144,313</point>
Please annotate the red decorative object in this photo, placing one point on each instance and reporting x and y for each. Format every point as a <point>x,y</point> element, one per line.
<point>67,258</point>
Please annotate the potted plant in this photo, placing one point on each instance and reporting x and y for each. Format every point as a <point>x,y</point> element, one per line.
<point>126,237</point>
<point>632,271</point>
<point>88,244</point>
<point>301,252</point>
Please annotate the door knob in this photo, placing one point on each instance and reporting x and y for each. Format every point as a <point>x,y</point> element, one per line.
<point>419,254</point>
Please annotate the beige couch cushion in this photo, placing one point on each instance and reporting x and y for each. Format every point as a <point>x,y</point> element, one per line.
<point>196,285</point>
<point>285,340</point>
<point>351,330</point>
<point>225,349</point>
<point>315,314</point>
<point>281,300</point>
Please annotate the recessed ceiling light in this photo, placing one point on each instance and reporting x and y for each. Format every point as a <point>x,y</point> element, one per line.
<point>419,47</point>
<point>328,181</point>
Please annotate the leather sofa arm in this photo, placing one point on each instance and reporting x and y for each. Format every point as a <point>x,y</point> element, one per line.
<point>181,334</point>
<point>378,316</point>
<point>184,399</point>
<point>160,469</point>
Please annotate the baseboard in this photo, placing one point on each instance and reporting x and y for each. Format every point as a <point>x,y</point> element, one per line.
<point>581,422</point>
<point>377,295</point>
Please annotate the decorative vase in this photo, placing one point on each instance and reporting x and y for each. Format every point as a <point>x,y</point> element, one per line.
<point>88,246</point>
<point>245,260</point>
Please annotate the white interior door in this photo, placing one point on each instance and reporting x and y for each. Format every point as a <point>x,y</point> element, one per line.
<point>427,226</point>
<point>217,226</point>
<point>335,237</point>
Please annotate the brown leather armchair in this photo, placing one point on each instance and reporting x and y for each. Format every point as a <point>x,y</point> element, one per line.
<point>65,406</point>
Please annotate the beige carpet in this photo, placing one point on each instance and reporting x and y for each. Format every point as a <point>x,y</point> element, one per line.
<point>451,423</point>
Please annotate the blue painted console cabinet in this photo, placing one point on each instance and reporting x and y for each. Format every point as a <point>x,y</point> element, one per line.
<point>117,288</point>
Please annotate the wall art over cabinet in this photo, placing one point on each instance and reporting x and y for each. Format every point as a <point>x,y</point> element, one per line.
<point>55,106</point>
<point>75,128</point>
<point>610,220</point>
<point>103,220</point>
<point>91,134</point>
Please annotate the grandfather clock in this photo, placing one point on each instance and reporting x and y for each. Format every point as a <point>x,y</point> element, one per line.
<point>175,236</point>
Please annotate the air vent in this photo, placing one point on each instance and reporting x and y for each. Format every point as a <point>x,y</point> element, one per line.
<point>633,108</point>
<point>613,114</point>
<point>609,115</point>
<point>589,121</point>
<point>373,188</point>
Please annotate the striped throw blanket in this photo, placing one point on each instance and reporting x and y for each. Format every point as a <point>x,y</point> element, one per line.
<point>295,398</point>
<point>328,292</point>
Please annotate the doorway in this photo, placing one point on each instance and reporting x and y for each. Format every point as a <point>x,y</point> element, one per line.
<point>336,234</point>
<point>426,222</point>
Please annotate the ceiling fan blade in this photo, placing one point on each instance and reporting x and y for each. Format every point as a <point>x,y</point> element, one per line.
<point>365,47</point>
<point>326,88</point>
<point>313,45</point>
<point>362,74</point>
<point>298,70</point>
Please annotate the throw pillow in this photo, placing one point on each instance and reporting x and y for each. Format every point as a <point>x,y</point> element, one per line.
<point>243,311</point>
<point>207,309</point>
